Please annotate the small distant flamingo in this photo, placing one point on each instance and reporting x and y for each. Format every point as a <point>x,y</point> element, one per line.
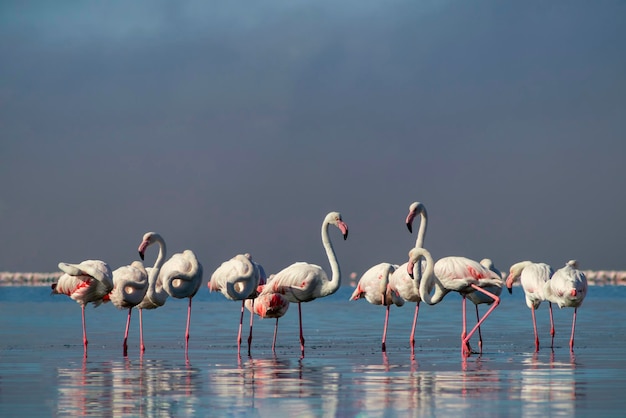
<point>533,278</point>
<point>268,305</point>
<point>156,294</point>
<point>374,287</point>
<point>130,284</point>
<point>567,288</point>
<point>181,277</point>
<point>304,282</point>
<point>238,279</point>
<point>401,281</point>
<point>87,282</point>
<point>479,297</point>
<point>458,274</point>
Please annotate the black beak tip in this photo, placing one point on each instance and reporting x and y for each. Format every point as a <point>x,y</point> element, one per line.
<point>141,255</point>
<point>510,289</point>
<point>410,227</point>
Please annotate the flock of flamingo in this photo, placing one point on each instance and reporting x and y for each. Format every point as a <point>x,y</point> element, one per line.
<point>242,279</point>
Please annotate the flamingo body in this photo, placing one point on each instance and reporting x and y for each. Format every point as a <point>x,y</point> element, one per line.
<point>130,284</point>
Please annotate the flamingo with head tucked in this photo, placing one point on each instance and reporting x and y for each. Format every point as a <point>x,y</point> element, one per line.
<point>533,278</point>
<point>181,277</point>
<point>267,305</point>
<point>458,274</point>
<point>374,287</point>
<point>567,288</point>
<point>130,284</point>
<point>87,282</point>
<point>304,282</point>
<point>238,279</point>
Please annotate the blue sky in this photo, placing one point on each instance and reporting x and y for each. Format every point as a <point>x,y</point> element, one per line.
<point>235,127</point>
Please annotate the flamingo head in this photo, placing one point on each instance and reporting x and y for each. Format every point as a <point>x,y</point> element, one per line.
<point>335,219</point>
<point>414,209</point>
<point>149,238</point>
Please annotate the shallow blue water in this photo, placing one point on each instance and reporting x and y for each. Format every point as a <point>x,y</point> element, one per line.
<point>344,373</point>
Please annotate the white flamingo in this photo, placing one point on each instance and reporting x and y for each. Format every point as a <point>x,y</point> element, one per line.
<point>458,274</point>
<point>238,279</point>
<point>87,282</point>
<point>374,287</point>
<point>268,305</point>
<point>156,294</point>
<point>304,282</point>
<point>181,277</point>
<point>130,284</point>
<point>567,288</point>
<point>479,297</point>
<point>401,282</point>
<point>533,278</point>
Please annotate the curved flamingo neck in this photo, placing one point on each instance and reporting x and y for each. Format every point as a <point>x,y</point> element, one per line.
<point>419,241</point>
<point>331,286</point>
<point>430,281</point>
<point>158,296</point>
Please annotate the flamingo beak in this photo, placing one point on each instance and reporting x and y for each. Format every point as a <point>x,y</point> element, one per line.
<point>141,255</point>
<point>409,269</point>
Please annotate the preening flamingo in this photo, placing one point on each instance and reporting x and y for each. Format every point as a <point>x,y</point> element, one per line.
<point>130,284</point>
<point>401,282</point>
<point>268,305</point>
<point>479,297</point>
<point>238,279</point>
<point>180,276</point>
<point>374,287</point>
<point>87,282</point>
<point>458,274</point>
<point>567,288</point>
<point>156,294</point>
<point>304,282</point>
<point>533,278</point>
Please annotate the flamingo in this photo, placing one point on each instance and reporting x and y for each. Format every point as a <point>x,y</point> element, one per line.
<point>478,297</point>
<point>533,277</point>
<point>304,282</point>
<point>180,276</point>
<point>458,274</point>
<point>156,294</point>
<point>268,305</point>
<point>567,288</point>
<point>87,282</point>
<point>238,279</point>
<point>374,287</point>
<point>401,282</point>
<point>130,284</point>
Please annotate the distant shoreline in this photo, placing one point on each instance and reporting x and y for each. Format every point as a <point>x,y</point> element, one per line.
<point>595,278</point>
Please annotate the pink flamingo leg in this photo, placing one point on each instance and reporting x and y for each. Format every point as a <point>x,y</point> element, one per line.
<point>465,347</point>
<point>480,335</point>
<point>496,302</point>
<point>125,345</point>
<point>385,328</point>
<point>85,342</point>
<point>275,333</point>
<point>143,347</point>
<point>187,330</point>
<point>250,335</point>
<point>532,311</point>
<point>240,326</point>
<point>552,332</point>
<point>412,337</point>
<point>571,340</point>
<point>301,333</point>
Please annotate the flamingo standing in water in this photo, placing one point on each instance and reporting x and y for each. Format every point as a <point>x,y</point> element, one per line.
<point>374,287</point>
<point>479,297</point>
<point>567,288</point>
<point>533,278</point>
<point>267,305</point>
<point>88,282</point>
<point>458,274</point>
<point>130,284</point>
<point>304,282</point>
<point>156,294</point>
<point>238,279</point>
<point>401,282</point>
<point>181,277</point>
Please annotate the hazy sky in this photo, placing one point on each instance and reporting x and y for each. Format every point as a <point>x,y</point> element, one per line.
<point>235,126</point>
